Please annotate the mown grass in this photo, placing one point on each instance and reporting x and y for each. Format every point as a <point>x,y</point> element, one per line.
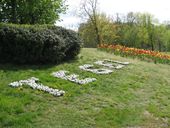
<point>135,96</point>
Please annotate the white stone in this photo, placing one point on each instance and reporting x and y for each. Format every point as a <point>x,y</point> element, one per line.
<point>32,82</point>
<point>119,62</point>
<point>89,68</point>
<point>112,64</point>
<point>73,77</point>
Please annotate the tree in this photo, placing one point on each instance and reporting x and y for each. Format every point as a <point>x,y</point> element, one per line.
<point>162,37</point>
<point>90,10</point>
<point>139,30</point>
<point>130,19</point>
<point>106,29</point>
<point>31,11</point>
<point>87,34</point>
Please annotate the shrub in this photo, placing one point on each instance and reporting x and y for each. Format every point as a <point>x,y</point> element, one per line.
<point>36,44</point>
<point>73,42</point>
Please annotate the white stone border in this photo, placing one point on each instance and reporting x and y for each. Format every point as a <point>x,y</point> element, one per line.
<point>32,82</point>
<point>89,68</point>
<point>109,65</point>
<point>113,64</point>
<point>119,62</point>
<point>73,77</point>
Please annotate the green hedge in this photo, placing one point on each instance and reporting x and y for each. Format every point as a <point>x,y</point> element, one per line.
<point>37,44</point>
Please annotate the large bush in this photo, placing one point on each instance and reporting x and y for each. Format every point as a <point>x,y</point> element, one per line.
<point>25,44</point>
<point>72,41</point>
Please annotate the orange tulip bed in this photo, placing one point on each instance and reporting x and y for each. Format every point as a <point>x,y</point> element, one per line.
<point>148,55</point>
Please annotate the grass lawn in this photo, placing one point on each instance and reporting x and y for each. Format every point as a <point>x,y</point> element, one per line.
<point>137,96</point>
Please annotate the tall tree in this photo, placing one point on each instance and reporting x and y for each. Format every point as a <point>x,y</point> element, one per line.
<point>89,8</point>
<point>31,11</point>
<point>106,29</point>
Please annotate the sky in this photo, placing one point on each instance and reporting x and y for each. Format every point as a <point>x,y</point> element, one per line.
<point>159,8</point>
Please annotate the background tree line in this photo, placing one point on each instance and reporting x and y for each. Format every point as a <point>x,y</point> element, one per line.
<point>140,30</point>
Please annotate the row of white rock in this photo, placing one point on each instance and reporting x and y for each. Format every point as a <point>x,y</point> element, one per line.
<point>88,67</point>
<point>112,65</point>
<point>73,77</point>
<point>33,82</point>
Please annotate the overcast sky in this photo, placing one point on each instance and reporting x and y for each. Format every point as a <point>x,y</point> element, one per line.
<point>159,8</point>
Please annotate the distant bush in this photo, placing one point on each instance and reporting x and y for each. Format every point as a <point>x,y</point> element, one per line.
<point>36,44</point>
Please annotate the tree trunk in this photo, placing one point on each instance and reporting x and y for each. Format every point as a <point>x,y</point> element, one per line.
<point>97,35</point>
<point>96,29</point>
<point>14,14</point>
<point>32,19</point>
<point>152,44</point>
<point>160,46</point>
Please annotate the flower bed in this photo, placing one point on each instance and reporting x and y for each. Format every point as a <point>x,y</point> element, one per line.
<point>33,83</point>
<point>148,55</point>
<point>73,77</point>
<point>89,68</point>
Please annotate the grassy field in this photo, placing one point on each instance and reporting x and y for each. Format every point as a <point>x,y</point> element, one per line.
<point>137,96</point>
<point>167,52</point>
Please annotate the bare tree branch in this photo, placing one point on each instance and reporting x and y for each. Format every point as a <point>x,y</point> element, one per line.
<point>89,8</point>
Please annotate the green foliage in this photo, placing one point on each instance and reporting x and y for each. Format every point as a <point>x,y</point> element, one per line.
<point>140,30</point>
<point>72,41</point>
<point>88,35</point>
<point>106,30</point>
<point>31,11</point>
<point>37,44</point>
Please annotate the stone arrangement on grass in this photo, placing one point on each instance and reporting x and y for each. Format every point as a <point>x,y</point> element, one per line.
<point>89,68</point>
<point>33,83</point>
<point>62,74</point>
<point>111,64</point>
<point>119,62</point>
<point>72,77</point>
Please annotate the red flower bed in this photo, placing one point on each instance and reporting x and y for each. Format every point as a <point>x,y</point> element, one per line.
<point>138,53</point>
